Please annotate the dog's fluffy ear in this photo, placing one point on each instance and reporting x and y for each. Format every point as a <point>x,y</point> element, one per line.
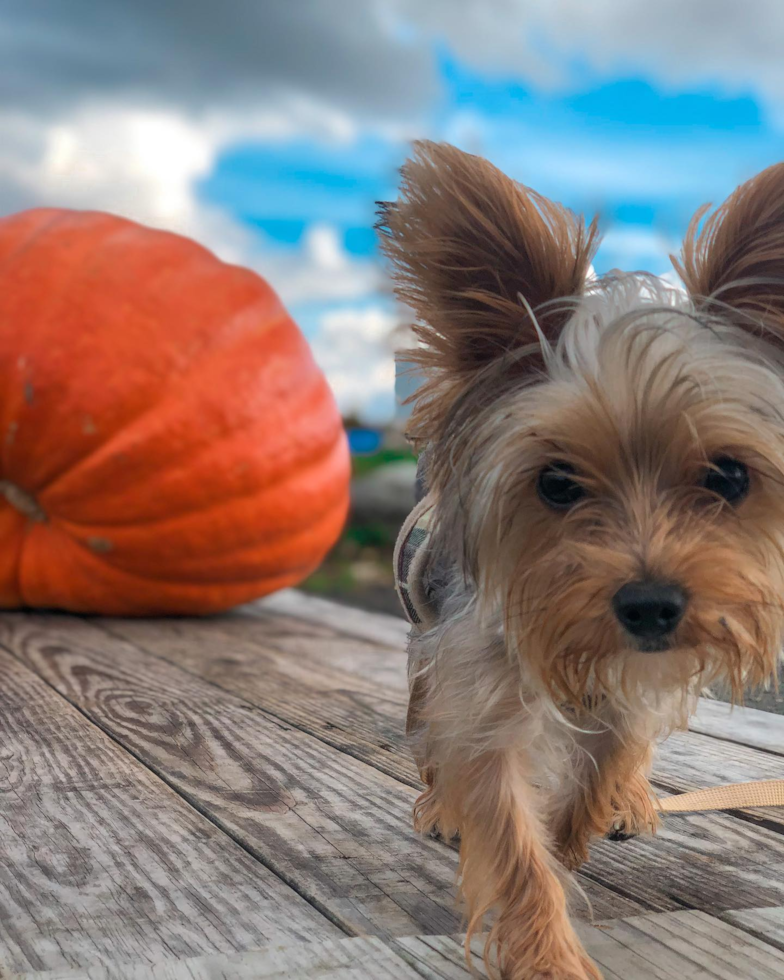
<point>734,265</point>
<point>475,254</point>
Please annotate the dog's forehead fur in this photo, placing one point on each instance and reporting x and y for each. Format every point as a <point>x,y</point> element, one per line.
<point>639,387</point>
<point>640,379</point>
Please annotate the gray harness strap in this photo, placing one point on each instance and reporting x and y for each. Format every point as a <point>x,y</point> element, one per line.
<point>410,562</point>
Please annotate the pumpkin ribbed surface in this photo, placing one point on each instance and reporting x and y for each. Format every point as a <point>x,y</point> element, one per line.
<point>167,443</point>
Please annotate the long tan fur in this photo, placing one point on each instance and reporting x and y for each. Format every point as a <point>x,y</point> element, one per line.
<point>474,254</point>
<point>733,264</point>
<point>534,711</point>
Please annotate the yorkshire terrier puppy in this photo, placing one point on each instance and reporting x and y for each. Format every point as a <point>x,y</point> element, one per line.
<point>605,460</point>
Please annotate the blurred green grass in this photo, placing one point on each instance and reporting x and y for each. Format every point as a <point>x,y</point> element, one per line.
<point>362,465</point>
<point>358,569</point>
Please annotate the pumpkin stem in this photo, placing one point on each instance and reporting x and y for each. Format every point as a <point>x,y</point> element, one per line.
<point>23,501</point>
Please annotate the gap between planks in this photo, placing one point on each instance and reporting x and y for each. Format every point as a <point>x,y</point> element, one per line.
<point>246,675</point>
<point>685,761</point>
<point>332,827</point>
<point>379,744</point>
<point>394,665</point>
<point>665,946</point>
<point>102,860</point>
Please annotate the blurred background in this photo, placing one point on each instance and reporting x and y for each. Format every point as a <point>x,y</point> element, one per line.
<point>267,130</point>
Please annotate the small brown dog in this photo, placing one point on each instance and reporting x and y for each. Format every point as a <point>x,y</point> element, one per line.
<point>607,464</point>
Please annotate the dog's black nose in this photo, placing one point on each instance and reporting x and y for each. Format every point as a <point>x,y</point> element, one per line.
<point>649,610</point>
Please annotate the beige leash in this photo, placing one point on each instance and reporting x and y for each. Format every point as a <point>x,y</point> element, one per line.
<point>735,796</point>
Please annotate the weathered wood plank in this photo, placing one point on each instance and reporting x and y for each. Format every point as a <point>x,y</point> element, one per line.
<point>371,728</point>
<point>330,702</point>
<point>365,958</point>
<point>743,725</point>
<point>367,687</point>
<point>353,696</point>
<point>441,957</point>
<point>707,861</point>
<point>336,829</point>
<point>349,693</point>
<point>376,627</point>
<point>677,945</point>
<point>746,726</point>
<point>666,946</point>
<point>317,653</point>
<point>101,861</point>
<point>767,924</point>
<point>198,738</point>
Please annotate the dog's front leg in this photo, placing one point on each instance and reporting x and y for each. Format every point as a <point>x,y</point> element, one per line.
<point>606,792</point>
<point>507,868</point>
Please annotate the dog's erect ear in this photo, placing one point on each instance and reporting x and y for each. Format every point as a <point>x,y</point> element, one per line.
<point>735,264</point>
<point>474,254</point>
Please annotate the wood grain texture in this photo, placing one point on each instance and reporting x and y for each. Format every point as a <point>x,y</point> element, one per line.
<point>706,861</point>
<point>334,828</point>
<point>349,693</point>
<point>667,873</point>
<point>442,957</point>
<point>101,861</point>
<point>353,695</point>
<point>377,627</point>
<point>746,726</point>
<point>767,924</point>
<point>687,760</point>
<point>667,946</point>
<point>335,697</point>
<point>288,734</point>
<point>680,945</point>
<point>364,958</point>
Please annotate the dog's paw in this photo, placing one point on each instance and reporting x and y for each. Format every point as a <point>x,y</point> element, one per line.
<point>573,852</point>
<point>620,831</point>
<point>637,820</point>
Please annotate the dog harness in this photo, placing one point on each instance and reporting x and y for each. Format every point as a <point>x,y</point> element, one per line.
<point>410,559</point>
<point>421,609</point>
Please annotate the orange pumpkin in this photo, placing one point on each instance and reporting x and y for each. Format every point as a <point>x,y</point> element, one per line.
<point>167,443</point>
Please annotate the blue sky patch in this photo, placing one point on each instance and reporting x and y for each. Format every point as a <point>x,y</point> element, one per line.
<point>641,155</point>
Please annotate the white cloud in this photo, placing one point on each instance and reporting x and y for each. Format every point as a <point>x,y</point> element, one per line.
<point>159,125</point>
<point>355,349</point>
<point>141,163</point>
<point>179,83</point>
<point>633,248</point>
<point>176,89</point>
<point>321,271</point>
<point>144,164</point>
<point>736,46</point>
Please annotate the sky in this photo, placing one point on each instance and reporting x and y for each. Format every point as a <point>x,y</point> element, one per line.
<point>268,129</point>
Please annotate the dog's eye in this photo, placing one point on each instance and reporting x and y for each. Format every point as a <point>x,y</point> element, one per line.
<point>557,487</point>
<point>729,478</point>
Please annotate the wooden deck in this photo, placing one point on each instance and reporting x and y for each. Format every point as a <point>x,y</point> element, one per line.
<point>231,798</point>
